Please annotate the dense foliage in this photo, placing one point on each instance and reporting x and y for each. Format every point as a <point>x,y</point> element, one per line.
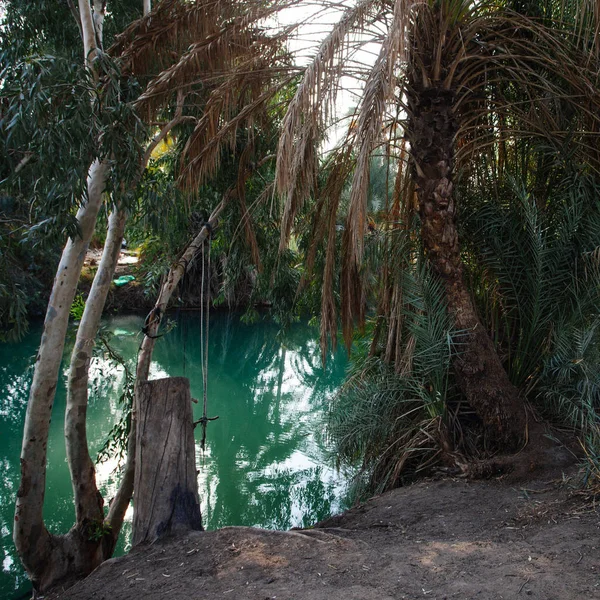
<point>466,184</point>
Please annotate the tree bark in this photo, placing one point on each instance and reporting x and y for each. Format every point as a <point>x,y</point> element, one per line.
<point>88,29</point>
<point>121,500</point>
<point>173,278</point>
<point>98,19</point>
<point>32,540</point>
<point>88,500</point>
<point>479,371</point>
<point>166,486</point>
<point>48,558</point>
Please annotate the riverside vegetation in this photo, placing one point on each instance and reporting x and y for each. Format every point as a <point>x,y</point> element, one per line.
<point>452,233</point>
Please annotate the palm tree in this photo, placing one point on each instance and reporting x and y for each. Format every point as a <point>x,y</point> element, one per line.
<point>443,77</point>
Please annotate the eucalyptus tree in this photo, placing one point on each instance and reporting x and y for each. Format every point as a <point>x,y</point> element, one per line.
<point>435,93</point>
<point>203,67</point>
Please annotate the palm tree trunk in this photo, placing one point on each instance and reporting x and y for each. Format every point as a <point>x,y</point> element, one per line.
<point>478,368</point>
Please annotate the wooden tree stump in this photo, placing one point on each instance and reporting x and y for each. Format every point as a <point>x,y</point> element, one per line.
<point>166,488</point>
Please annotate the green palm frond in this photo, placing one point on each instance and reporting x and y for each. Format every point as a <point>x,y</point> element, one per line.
<point>534,259</point>
<point>387,418</point>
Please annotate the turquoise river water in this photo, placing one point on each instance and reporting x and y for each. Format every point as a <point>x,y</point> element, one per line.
<point>265,464</point>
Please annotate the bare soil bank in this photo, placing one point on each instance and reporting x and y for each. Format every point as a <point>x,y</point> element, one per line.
<point>435,539</point>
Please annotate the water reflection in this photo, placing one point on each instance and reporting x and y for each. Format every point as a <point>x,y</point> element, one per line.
<point>264,461</point>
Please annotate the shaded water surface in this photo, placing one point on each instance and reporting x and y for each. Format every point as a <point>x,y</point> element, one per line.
<point>265,463</point>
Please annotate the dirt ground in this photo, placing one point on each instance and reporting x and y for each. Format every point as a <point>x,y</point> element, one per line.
<point>437,539</point>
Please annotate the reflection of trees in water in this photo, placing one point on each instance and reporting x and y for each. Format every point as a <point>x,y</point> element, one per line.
<point>16,372</point>
<point>15,378</point>
<point>270,393</point>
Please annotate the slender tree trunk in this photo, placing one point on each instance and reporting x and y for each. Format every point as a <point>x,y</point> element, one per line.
<point>48,558</point>
<point>173,278</point>
<point>121,501</point>
<point>98,20</point>
<point>88,29</point>
<point>478,369</point>
<point>88,500</point>
<point>33,542</point>
<point>147,6</point>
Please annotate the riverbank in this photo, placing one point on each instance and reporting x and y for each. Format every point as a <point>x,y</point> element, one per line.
<point>265,462</point>
<point>437,539</point>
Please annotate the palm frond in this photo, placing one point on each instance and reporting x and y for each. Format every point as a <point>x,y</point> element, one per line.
<point>202,152</point>
<point>390,417</point>
<point>378,91</point>
<point>308,112</point>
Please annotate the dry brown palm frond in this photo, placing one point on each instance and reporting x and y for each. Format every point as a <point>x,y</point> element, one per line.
<point>202,152</point>
<point>395,321</point>
<point>352,292</point>
<point>403,201</point>
<point>587,26</point>
<point>156,41</point>
<point>305,164</point>
<point>212,59</point>
<point>233,71</point>
<point>318,230</point>
<point>379,89</point>
<point>332,193</point>
<point>309,110</point>
<point>328,306</point>
<point>165,32</point>
<point>549,72</point>
<point>339,171</point>
<point>404,364</point>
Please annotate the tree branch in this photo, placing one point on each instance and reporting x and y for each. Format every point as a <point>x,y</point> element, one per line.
<point>88,32</point>
<point>23,162</point>
<point>119,505</point>
<point>177,118</point>
<point>75,14</point>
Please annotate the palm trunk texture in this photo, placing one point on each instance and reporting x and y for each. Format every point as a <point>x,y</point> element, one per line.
<point>479,371</point>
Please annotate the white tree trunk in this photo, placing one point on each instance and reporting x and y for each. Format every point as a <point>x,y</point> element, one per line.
<point>47,558</point>
<point>88,31</point>
<point>88,501</point>
<point>98,16</point>
<point>147,6</point>
<point>30,535</point>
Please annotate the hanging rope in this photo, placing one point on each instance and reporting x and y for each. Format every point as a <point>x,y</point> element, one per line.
<point>204,326</point>
<point>182,285</point>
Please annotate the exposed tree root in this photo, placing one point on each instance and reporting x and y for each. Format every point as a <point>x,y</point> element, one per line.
<point>544,454</point>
